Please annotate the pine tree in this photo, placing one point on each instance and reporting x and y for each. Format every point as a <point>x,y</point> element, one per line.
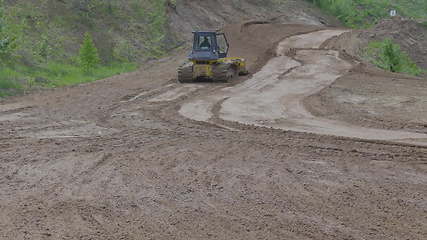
<point>89,57</point>
<point>392,55</point>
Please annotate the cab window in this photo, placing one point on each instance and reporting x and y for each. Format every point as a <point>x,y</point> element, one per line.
<point>204,43</point>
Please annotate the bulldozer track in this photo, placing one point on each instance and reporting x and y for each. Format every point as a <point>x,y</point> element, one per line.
<point>185,74</point>
<point>223,73</point>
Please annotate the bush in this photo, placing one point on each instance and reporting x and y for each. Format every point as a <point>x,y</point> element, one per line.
<point>89,58</point>
<point>388,55</point>
<point>392,56</point>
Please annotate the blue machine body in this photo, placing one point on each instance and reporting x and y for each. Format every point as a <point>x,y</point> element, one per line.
<point>207,48</point>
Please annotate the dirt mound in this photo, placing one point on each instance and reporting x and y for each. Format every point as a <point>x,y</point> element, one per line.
<point>409,34</point>
<point>189,15</point>
<point>256,41</point>
<point>371,97</point>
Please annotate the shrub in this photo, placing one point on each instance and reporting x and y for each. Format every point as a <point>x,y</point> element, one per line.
<point>89,58</point>
<point>392,56</point>
<point>388,55</point>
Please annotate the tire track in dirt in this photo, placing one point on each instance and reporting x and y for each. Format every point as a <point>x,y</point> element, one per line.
<point>274,96</point>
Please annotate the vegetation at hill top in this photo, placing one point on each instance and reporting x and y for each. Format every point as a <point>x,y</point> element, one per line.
<point>364,13</point>
<point>388,56</point>
<point>41,40</point>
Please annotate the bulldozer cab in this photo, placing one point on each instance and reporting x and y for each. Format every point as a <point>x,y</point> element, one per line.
<point>209,46</point>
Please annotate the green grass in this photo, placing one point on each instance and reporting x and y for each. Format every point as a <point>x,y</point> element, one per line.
<point>8,82</point>
<point>388,56</point>
<point>47,35</point>
<point>19,78</point>
<point>58,74</point>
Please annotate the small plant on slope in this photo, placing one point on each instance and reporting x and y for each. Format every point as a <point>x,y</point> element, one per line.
<point>388,55</point>
<point>392,56</point>
<point>89,58</point>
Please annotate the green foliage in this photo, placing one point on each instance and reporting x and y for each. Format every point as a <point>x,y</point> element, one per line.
<point>392,56</point>
<point>89,57</point>
<point>60,74</point>
<point>9,82</point>
<point>7,38</point>
<point>43,49</point>
<point>16,79</point>
<point>364,13</point>
<point>388,55</point>
<point>8,79</point>
<point>40,40</point>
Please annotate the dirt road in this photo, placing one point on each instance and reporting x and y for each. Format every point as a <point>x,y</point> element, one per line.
<point>274,96</point>
<point>129,158</point>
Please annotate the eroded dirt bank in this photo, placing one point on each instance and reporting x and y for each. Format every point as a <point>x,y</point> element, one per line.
<point>115,160</point>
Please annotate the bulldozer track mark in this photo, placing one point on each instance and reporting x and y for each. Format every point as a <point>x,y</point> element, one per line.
<point>148,93</point>
<point>176,93</point>
<point>14,107</point>
<point>250,23</point>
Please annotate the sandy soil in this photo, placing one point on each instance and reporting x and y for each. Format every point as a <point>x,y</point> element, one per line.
<point>372,98</point>
<point>115,160</point>
<point>274,96</point>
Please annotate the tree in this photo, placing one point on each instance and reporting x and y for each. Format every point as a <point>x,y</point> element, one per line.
<point>392,56</point>
<point>89,57</point>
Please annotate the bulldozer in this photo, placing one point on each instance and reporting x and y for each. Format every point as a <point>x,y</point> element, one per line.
<point>208,60</point>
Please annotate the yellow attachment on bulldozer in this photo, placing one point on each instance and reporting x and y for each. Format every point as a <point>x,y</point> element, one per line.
<point>221,70</point>
<point>202,70</point>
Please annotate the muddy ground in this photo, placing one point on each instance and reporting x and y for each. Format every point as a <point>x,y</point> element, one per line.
<point>370,97</point>
<point>118,159</point>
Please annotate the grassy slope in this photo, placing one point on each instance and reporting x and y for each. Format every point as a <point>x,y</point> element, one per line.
<point>47,35</point>
<point>363,13</point>
<point>388,55</point>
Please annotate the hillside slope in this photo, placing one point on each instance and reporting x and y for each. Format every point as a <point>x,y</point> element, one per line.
<point>362,13</point>
<point>47,34</point>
